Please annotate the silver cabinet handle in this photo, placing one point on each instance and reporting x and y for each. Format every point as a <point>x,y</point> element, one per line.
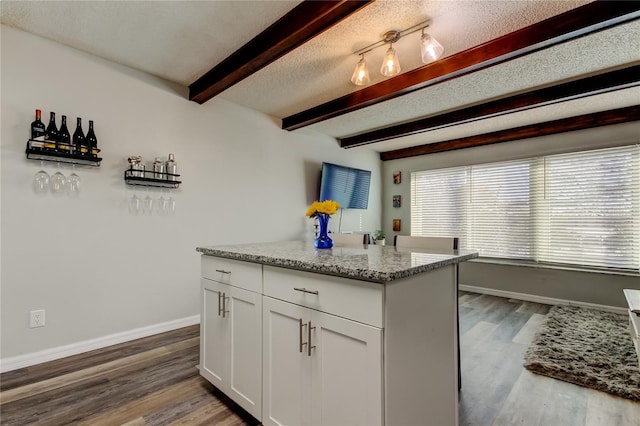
<point>220,307</point>
<point>224,305</point>
<point>309,347</point>
<point>301,342</point>
<point>304,290</point>
<point>222,271</point>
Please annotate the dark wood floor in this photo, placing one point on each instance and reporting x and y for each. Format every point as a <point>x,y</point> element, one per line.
<point>154,381</point>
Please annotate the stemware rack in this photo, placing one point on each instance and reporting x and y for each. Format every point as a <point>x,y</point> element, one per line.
<point>63,154</point>
<point>149,178</point>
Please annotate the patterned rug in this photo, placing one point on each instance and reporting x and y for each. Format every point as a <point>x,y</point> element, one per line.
<point>589,348</point>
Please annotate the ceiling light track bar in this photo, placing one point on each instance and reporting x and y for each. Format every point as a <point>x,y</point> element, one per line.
<point>584,20</point>
<point>563,125</point>
<point>393,36</point>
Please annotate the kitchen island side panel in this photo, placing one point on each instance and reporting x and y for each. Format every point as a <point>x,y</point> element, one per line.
<point>421,374</point>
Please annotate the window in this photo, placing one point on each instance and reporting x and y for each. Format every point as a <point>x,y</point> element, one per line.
<point>576,209</point>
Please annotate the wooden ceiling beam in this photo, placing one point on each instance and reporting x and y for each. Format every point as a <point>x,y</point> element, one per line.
<point>572,24</point>
<point>586,121</point>
<point>606,81</point>
<point>301,24</point>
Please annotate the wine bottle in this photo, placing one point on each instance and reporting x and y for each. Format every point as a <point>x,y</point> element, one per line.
<point>37,130</point>
<point>92,141</point>
<point>79,142</point>
<point>51,134</point>
<point>64,138</point>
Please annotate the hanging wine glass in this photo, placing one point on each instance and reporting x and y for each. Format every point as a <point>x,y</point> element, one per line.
<point>58,183</point>
<point>170,206</point>
<point>147,204</point>
<point>73,183</point>
<point>134,204</point>
<point>160,205</point>
<point>41,181</point>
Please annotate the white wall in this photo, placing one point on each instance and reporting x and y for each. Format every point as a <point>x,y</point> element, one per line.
<point>93,266</point>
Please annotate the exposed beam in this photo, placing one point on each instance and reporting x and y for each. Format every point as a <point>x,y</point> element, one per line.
<point>578,88</point>
<point>587,121</point>
<point>575,23</point>
<point>301,24</point>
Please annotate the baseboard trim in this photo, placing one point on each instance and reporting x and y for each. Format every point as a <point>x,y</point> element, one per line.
<point>21,361</point>
<point>541,299</point>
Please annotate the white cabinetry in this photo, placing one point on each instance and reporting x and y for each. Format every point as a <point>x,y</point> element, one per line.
<point>319,368</point>
<point>300,348</point>
<point>231,335</point>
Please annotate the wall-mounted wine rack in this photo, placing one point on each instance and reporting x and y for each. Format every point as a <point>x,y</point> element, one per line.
<point>151,178</point>
<point>60,153</point>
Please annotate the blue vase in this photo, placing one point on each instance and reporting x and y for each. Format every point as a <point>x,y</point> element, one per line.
<point>323,241</point>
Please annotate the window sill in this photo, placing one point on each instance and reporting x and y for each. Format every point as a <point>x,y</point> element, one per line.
<point>530,264</point>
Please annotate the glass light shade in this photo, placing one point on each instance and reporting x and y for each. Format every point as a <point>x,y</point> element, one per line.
<point>430,49</point>
<point>390,63</point>
<point>360,75</point>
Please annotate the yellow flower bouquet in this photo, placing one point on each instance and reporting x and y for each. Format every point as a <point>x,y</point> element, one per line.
<point>323,211</point>
<point>323,207</point>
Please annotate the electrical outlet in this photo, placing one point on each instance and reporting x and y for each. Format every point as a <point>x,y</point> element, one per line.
<point>36,318</point>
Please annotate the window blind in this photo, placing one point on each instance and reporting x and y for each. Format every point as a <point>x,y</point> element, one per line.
<point>501,216</point>
<point>576,209</point>
<point>592,208</point>
<point>438,203</point>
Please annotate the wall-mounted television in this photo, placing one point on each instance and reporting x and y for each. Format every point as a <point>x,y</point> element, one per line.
<point>346,185</point>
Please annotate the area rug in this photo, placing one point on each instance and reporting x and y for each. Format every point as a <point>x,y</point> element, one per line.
<point>586,347</point>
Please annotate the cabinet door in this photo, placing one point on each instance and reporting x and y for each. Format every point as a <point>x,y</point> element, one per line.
<point>287,365</point>
<point>346,372</point>
<point>244,316</point>
<point>214,333</point>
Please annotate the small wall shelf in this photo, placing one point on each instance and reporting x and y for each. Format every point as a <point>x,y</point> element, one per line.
<point>37,150</point>
<point>148,178</point>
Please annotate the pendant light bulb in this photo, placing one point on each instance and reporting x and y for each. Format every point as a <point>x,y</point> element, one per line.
<point>360,75</point>
<point>430,49</point>
<point>390,63</point>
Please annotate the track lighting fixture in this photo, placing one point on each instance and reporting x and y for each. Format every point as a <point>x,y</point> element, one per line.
<point>430,51</point>
<point>360,75</point>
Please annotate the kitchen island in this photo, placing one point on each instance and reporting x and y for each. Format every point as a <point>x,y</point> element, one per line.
<point>349,335</point>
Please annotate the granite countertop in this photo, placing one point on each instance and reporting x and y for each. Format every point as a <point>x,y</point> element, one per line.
<point>367,262</point>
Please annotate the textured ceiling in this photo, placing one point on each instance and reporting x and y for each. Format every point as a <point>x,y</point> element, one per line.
<point>176,40</point>
<point>181,40</point>
<point>321,70</point>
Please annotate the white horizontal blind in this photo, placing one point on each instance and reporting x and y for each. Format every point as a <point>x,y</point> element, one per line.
<point>438,203</point>
<point>501,216</point>
<point>577,209</point>
<point>592,205</point>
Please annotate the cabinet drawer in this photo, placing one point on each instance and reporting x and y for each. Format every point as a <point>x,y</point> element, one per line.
<point>237,273</point>
<point>360,301</point>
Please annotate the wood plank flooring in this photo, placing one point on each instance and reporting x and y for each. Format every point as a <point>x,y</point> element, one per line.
<point>498,390</point>
<point>154,381</point>
<point>150,381</point>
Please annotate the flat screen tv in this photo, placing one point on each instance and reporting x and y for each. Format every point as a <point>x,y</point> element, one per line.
<point>346,185</point>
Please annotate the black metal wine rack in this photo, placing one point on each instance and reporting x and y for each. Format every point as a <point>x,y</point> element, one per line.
<point>60,153</point>
<point>151,178</point>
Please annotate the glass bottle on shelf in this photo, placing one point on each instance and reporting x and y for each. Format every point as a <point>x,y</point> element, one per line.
<point>51,134</point>
<point>64,138</point>
<point>79,142</point>
<point>171,168</point>
<point>159,169</point>
<point>37,130</point>
<point>92,141</point>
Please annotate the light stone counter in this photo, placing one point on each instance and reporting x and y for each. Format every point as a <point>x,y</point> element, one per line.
<point>367,262</point>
